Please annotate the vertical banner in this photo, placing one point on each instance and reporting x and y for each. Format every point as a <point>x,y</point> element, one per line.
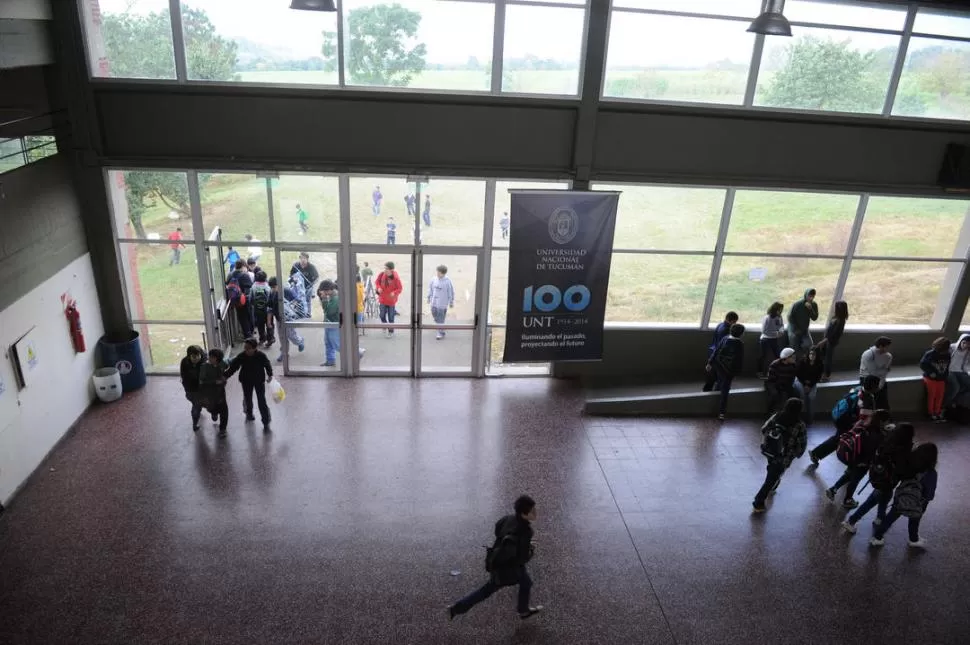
<point>560,249</point>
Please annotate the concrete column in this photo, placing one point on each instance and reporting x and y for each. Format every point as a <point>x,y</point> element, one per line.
<point>955,290</point>
<point>594,55</point>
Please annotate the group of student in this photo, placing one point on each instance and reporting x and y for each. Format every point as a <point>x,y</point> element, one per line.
<point>868,444</point>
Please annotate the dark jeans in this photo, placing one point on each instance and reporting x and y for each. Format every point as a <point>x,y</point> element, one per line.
<point>264,330</point>
<point>827,447</point>
<point>881,396</point>
<point>214,400</point>
<point>244,317</point>
<point>850,479</point>
<point>723,380</point>
<point>773,477</point>
<point>260,389</point>
<point>777,395</point>
<point>891,519</point>
<point>876,498</point>
<point>387,315</point>
<point>829,357</point>
<point>769,352</point>
<point>957,383</point>
<point>490,587</point>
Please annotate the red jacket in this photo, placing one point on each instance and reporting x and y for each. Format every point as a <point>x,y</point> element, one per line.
<point>388,289</point>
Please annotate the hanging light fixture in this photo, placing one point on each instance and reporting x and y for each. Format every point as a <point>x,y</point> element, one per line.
<point>771,22</point>
<point>313,5</point>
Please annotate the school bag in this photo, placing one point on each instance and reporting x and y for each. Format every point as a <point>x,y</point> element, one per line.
<point>234,294</point>
<point>501,554</point>
<point>259,296</point>
<point>848,404</point>
<point>773,440</point>
<point>882,473</point>
<point>908,500</point>
<point>850,447</point>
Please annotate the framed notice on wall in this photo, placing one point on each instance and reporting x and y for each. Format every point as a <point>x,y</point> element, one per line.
<point>27,358</point>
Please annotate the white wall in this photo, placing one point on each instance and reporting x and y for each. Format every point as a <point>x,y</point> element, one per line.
<point>34,419</point>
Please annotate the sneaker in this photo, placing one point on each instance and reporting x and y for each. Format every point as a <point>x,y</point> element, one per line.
<point>934,418</point>
<point>830,494</point>
<point>328,364</point>
<point>940,418</point>
<point>215,417</point>
<point>815,460</point>
<point>451,612</point>
<point>918,544</point>
<point>301,347</point>
<point>874,541</point>
<point>850,503</point>
<point>266,428</point>
<point>720,417</point>
<point>877,522</point>
<point>195,427</point>
<point>250,417</point>
<point>532,612</point>
<point>758,509</point>
<point>849,527</point>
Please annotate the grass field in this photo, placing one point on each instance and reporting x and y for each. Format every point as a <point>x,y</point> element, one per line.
<point>643,287</point>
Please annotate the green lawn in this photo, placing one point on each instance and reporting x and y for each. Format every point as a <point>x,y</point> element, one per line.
<point>643,287</point>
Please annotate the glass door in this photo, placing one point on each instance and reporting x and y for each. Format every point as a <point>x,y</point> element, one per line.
<point>385,311</point>
<point>225,326</point>
<point>448,325</point>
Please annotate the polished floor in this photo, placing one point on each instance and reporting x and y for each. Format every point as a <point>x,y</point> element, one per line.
<point>346,524</point>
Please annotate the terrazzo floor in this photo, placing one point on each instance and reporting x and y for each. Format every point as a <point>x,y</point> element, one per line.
<point>345,524</point>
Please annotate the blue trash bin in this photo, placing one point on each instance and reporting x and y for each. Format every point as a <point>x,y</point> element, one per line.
<point>124,354</point>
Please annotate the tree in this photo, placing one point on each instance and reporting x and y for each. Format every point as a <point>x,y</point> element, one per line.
<point>819,74</point>
<point>329,51</point>
<point>145,189</point>
<point>141,46</point>
<point>381,51</point>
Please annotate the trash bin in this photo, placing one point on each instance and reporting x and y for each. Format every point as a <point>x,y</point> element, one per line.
<point>124,354</point>
<point>107,384</point>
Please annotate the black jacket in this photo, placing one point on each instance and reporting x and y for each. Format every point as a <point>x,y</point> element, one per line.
<point>252,369</point>
<point>190,374</point>
<point>728,356</point>
<point>834,330</point>
<point>522,529</point>
<point>810,373</point>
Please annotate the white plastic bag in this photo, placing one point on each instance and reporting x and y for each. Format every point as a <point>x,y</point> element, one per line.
<point>277,391</point>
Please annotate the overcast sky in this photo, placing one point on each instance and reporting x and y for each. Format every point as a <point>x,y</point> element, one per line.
<point>454,31</point>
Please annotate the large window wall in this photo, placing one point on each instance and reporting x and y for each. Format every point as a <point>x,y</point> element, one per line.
<point>849,57</point>
<point>685,256</point>
<point>522,47</point>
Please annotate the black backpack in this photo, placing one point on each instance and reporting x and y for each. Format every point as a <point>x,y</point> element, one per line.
<point>773,444</point>
<point>501,554</point>
<point>882,473</point>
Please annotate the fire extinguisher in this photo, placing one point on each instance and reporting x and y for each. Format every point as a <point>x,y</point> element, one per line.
<point>74,320</point>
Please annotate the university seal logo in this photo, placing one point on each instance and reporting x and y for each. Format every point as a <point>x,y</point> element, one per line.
<point>563,225</point>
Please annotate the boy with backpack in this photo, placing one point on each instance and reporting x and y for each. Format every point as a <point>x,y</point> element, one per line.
<point>891,460</point>
<point>505,561</point>
<point>238,286</point>
<point>914,493</point>
<point>259,299</point>
<point>212,388</point>
<point>783,440</point>
<point>860,401</point>
<point>721,332</point>
<point>724,364</point>
<point>857,450</point>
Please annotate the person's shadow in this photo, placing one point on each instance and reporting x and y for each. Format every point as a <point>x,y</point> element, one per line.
<point>262,457</point>
<point>215,467</point>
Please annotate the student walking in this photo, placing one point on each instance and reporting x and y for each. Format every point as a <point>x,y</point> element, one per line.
<point>936,368</point>
<point>800,317</point>
<point>189,372</point>
<point>506,560</point>
<point>783,440</point>
<point>914,493</point>
<point>833,335</point>
<point>259,300</point>
<point>857,450</point>
<point>780,383</point>
<point>389,288</point>
<point>503,225</point>
<point>360,304</point>
<point>725,363</point>
<point>302,220</point>
<point>891,460</point>
<point>330,302</point>
<point>391,231</point>
<point>877,361</point>
<point>212,388</point>
<point>426,213</point>
<point>306,275</point>
<point>175,237</point>
<point>287,310</point>
<point>860,401</point>
<point>807,377</point>
<point>238,285</point>
<point>252,364</point>
<point>441,297</point>
<point>377,197</point>
<point>772,332</point>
